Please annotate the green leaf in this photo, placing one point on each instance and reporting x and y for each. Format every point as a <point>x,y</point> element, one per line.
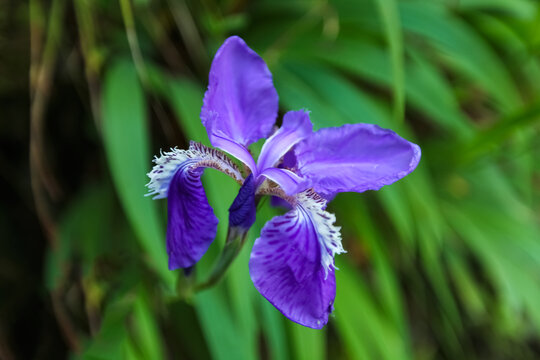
<point>388,10</point>
<point>524,9</point>
<point>492,137</point>
<point>126,141</point>
<point>308,344</point>
<point>222,335</point>
<point>128,330</point>
<point>462,48</point>
<point>147,335</point>
<point>112,338</point>
<point>426,88</point>
<point>501,231</point>
<point>330,98</point>
<point>274,329</point>
<point>367,331</point>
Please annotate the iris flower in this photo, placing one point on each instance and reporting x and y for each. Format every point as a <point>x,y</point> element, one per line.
<point>292,262</point>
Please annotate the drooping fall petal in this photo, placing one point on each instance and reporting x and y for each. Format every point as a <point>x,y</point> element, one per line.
<point>191,225</point>
<point>292,263</point>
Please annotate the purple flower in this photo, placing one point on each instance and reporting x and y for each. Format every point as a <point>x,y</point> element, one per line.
<point>292,262</point>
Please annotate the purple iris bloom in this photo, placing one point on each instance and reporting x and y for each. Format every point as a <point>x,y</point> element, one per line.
<point>292,262</point>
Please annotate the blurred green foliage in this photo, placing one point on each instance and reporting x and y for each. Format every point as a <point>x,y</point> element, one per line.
<point>443,264</point>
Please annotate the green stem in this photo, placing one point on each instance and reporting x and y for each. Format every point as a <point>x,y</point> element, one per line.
<point>236,238</point>
<point>186,284</point>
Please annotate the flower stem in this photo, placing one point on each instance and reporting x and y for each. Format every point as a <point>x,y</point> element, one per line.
<point>186,284</point>
<point>236,236</point>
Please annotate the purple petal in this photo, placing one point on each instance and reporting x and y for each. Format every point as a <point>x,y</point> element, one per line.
<point>290,182</point>
<point>296,127</point>
<point>238,151</point>
<point>191,224</point>
<point>356,157</point>
<point>242,210</point>
<point>291,264</point>
<point>289,160</point>
<point>168,164</point>
<point>276,201</point>
<point>241,102</point>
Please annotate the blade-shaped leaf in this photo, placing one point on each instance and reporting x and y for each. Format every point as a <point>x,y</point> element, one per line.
<point>126,139</point>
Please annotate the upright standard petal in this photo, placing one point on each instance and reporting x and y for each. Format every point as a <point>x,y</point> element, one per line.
<point>295,128</point>
<point>191,225</point>
<point>238,151</point>
<point>292,263</point>
<point>356,157</point>
<point>241,102</point>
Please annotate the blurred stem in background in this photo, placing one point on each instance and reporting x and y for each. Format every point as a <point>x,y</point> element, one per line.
<point>93,60</point>
<point>129,23</point>
<point>42,69</point>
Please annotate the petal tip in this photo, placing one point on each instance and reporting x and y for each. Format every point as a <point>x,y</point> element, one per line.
<point>173,265</point>
<point>415,159</point>
<point>241,102</point>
